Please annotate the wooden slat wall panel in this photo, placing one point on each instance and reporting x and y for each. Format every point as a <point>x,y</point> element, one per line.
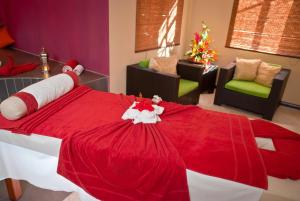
<point>9,86</point>
<point>19,84</point>
<point>100,84</point>
<point>270,26</point>
<point>103,84</point>
<point>35,80</point>
<point>158,23</point>
<point>26,82</point>
<point>3,90</point>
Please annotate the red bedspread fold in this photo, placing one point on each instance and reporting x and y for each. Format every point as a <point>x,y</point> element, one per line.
<point>284,162</point>
<point>123,161</point>
<point>216,144</point>
<point>114,159</point>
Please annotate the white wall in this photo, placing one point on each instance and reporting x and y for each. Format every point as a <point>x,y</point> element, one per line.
<point>217,14</point>
<point>122,14</point>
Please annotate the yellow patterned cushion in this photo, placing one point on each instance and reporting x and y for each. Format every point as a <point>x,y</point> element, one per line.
<point>266,73</point>
<point>164,64</point>
<point>246,69</point>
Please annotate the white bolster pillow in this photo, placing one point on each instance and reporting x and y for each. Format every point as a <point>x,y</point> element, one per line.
<point>37,95</point>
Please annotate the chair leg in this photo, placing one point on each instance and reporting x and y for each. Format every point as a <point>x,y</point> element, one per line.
<point>211,90</point>
<point>268,116</point>
<point>269,112</point>
<point>14,189</point>
<point>217,100</point>
<point>218,97</point>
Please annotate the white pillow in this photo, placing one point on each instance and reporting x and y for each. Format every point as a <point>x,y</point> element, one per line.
<point>266,73</point>
<point>164,64</point>
<point>13,108</point>
<point>38,95</point>
<point>246,69</point>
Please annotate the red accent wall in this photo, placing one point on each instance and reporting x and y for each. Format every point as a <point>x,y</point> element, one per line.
<point>66,28</point>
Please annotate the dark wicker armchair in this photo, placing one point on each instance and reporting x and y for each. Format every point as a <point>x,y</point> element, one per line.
<point>264,106</point>
<point>150,82</point>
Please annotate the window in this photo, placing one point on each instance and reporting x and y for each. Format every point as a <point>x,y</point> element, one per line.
<point>270,26</point>
<point>158,24</point>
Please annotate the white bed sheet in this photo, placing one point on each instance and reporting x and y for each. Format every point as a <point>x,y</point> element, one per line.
<point>34,159</point>
<point>40,143</point>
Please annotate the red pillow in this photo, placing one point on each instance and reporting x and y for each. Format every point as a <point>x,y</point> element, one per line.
<point>5,38</point>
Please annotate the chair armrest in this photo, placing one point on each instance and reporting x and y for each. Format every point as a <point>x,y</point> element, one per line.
<point>279,84</point>
<point>189,71</point>
<point>283,74</point>
<point>226,74</point>
<point>150,82</point>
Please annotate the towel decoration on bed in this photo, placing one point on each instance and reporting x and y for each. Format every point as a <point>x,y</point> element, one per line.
<point>37,95</point>
<point>74,66</point>
<point>265,143</point>
<point>144,111</point>
<point>156,99</point>
<point>10,69</point>
<point>70,65</point>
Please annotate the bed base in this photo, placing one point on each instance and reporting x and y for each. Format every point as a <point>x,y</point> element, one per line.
<point>14,189</point>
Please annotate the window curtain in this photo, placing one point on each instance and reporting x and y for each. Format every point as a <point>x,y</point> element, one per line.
<point>158,24</point>
<point>269,26</point>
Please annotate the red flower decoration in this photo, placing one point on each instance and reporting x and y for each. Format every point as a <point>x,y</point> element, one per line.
<point>197,37</point>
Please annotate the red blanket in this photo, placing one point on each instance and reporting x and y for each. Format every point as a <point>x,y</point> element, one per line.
<point>114,159</point>
<point>285,161</point>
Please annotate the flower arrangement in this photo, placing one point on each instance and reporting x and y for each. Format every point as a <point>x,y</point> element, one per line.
<point>200,51</point>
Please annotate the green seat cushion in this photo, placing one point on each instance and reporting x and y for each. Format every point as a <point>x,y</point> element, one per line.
<point>248,87</point>
<point>186,86</point>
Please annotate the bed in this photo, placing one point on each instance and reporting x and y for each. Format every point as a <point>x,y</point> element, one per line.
<point>38,148</point>
<point>97,154</point>
<point>35,160</point>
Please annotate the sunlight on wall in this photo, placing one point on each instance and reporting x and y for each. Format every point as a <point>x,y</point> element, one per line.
<point>286,9</point>
<point>267,27</point>
<point>167,33</point>
<point>262,25</point>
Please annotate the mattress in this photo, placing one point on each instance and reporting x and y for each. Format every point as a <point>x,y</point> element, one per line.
<point>43,144</point>
<point>34,158</point>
